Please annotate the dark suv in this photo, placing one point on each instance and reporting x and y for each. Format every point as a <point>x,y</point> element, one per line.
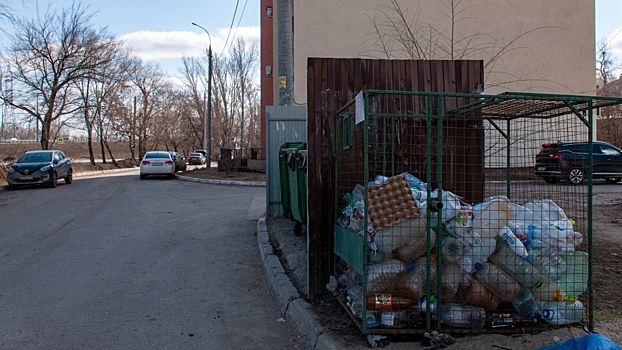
<point>569,161</point>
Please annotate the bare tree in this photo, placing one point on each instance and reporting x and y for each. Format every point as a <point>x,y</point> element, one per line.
<point>609,121</point>
<point>606,62</point>
<point>150,86</point>
<point>47,55</point>
<point>399,33</point>
<point>194,75</point>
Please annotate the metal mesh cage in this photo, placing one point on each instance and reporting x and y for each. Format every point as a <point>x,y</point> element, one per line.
<point>461,212</point>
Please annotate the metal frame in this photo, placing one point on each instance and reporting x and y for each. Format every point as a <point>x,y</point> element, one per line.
<point>507,107</point>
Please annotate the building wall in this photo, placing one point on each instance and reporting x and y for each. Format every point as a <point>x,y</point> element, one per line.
<point>556,57</point>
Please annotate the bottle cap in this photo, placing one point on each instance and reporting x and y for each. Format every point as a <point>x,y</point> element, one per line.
<point>410,264</point>
<point>557,296</point>
<point>478,267</point>
<point>527,242</point>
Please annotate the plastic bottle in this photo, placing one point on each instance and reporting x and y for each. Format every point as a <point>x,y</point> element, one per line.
<point>517,267</point>
<point>452,249</point>
<point>451,274</point>
<point>492,219</point>
<point>473,292</point>
<point>397,235</point>
<point>380,277</point>
<point>562,312</point>
<point>413,283</point>
<point>513,242</point>
<point>394,319</point>
<point>464,316</point>
<point>415,248</point>
<point>543,258</point>
<point>497,281</point>
<point>378,301</point>
<point>573,281</point>
<point>526,305</point>
<point>548,291</point>
<point>464,218</point>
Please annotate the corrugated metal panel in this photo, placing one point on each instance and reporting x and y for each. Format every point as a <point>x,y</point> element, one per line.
<point>285,124</point>
<point>331,83</point>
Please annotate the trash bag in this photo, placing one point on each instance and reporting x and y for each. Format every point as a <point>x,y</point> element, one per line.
<point>593,341</point>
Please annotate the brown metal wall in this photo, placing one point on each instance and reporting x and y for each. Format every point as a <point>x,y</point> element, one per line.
<point>331,83</point>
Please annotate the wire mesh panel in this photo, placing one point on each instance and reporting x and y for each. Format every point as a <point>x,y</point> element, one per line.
<point>465,213</point>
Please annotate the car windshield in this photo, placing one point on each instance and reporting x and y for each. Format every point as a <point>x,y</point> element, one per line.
<point>195,155</point>
<point>156,155</point>
<point>35,157</point>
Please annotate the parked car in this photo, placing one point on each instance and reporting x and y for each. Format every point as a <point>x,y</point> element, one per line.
<point>569,161</point>
<point>180,162</point>
<point>196,159</point>
<point>157,163</point>
<point>40,167</point>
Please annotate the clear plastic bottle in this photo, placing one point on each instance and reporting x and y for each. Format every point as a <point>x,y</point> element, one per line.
<point>489,222</point>
<point>413,283</point>
<point>543,258</point>
<point>415,248</point>
<point>562,312</point>
<point>451,274</point>
<point>517,267</point>
<point>464,316</point>
<point>526,305</point>
<point>573,281</point>
<point>452,249</point>
<point>473,292</point>
<point>548,291</point>
<point>497,281</point>
<point>507,236</point>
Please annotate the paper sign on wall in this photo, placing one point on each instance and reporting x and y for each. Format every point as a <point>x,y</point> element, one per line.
<point>359,106</point>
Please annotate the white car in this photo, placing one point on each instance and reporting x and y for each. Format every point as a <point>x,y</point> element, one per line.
<point>157,163</point>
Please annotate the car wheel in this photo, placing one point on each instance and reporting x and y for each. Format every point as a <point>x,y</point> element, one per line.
<point>53,180</point>
<point>12,187</point>
<point>172,176</point>
<point>69,177</point>
<point>551,180</point>
<point>612,180</point>
<point>576,176</point>
<point>142,177</point>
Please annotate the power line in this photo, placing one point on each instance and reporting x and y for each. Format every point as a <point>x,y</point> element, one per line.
<point>230,27</point>
<point>240,20</point>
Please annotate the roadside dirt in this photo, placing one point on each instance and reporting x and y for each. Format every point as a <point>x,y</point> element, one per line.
<point>222,175</point>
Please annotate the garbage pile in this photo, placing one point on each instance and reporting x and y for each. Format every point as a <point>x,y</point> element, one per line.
<point>502,264</point>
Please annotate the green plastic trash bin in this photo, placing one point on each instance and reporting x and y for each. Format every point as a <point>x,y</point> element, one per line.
<point>293,172</point>
<point>286,160</point>
<point>298,188</point>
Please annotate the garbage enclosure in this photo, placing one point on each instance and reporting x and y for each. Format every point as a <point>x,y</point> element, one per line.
<point>422,244</point>
<point>293,180</point>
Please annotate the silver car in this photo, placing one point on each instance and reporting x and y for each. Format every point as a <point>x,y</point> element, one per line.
<point>157,163</point>
<point>40,167</point>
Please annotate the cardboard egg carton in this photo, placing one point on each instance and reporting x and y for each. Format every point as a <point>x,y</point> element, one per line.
<point>391,202</point>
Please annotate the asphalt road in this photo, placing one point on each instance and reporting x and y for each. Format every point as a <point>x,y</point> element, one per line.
<point>114,262</point>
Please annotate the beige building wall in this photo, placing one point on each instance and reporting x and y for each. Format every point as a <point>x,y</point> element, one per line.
<point>556,57</point>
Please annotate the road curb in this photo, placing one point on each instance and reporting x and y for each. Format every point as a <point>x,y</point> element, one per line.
<point>295,309</point>
<point>221,182</point>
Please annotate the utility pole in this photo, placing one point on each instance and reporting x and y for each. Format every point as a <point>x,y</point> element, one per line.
<point>285,56</point>
<point>208,118</point>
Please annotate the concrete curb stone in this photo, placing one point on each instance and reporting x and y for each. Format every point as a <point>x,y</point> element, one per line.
<point>296,310</point>
<point>222,182</point>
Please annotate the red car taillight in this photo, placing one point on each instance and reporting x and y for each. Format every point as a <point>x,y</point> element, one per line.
<point>169,162</point>
<point>146,162</point>
<point>557,156</point>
